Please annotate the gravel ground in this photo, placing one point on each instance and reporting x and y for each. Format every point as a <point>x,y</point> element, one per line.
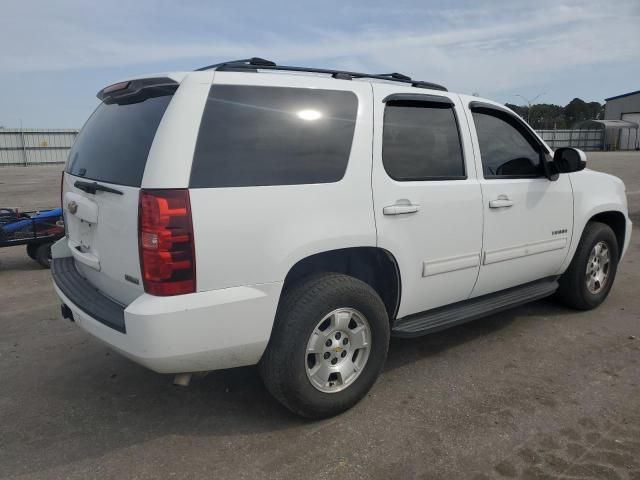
<point>536,392</point>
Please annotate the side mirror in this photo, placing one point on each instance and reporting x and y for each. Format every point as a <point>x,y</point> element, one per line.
<point>568,159</point>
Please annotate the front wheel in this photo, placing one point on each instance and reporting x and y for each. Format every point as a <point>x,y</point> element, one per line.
<point>590,276</point>
<point>328,345</point>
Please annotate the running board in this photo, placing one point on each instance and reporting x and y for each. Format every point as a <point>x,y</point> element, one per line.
<point>471,309</point>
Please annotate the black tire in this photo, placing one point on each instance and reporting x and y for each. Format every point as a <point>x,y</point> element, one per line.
<point>31,250</point>
<point>573,291</point>
<point>301,308</point>
<point>43,255</point>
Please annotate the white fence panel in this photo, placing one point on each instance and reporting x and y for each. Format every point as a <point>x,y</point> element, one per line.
<point>33,146</point>
<point>582,139</point>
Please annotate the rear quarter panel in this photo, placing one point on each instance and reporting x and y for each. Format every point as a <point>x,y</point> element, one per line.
<point>169,161</point>
<point>253,235</point>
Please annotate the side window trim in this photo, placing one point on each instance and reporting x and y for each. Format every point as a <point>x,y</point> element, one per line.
<point>516,121</point>
<point>426,100</point>
<point>417,97</point>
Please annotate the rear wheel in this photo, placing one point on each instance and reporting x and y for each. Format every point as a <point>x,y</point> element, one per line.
<point>590,276</point>
<point>31,251</point>
<point>328,345</point>
<point>43,255</point>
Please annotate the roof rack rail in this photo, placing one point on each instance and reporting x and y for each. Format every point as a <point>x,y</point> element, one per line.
<point>257,63</point>
<point>395,76</point>
<point>249,62</point>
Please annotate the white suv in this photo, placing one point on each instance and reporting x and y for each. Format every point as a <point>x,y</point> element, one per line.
<point>294,218</point>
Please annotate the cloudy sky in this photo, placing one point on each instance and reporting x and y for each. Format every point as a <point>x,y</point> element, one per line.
<point>56,55</point>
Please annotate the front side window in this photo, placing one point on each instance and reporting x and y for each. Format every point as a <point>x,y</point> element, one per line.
<point>258,136</point>
<point>505,150</point>
<point>420,141</point>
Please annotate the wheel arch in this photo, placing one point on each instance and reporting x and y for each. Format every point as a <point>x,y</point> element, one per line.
<point>610,214</point>
<point>617,221</point>
<point>375,266</point>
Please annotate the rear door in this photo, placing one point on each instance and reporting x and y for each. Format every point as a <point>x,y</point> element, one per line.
<point>101,186</point>
<point>427,201</point>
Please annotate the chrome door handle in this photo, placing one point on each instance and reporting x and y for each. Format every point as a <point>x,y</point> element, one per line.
<point>501,202</point>
<point>400,209</point>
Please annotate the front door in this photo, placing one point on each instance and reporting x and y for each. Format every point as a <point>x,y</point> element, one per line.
<point>528,219</point>
<point>427,200</point>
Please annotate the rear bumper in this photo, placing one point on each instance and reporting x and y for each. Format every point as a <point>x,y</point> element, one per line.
<point>184,333</point>
<point>75,287</point>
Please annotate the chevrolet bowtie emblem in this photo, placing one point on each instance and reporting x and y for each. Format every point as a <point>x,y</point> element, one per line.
<point>337,349</point>
<point>72,206</point>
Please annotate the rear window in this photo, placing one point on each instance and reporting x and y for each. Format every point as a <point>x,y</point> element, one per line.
<point>252,136</point>
<point>114,144</point>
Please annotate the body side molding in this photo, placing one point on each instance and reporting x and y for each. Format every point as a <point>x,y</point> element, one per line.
<point>524,250</point>
<point>451,264</point>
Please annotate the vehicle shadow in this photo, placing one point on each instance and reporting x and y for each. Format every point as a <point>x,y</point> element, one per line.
<point>404,351</point>
<point>101,403</point>
<point>95,390</point>
<point>15,259</point>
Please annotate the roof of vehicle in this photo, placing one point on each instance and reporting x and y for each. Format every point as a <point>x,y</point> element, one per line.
<point>259,65</point>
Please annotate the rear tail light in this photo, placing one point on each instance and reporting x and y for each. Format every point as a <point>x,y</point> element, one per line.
<point>165,236</point>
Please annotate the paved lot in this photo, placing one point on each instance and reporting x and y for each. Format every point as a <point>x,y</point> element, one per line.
<point>537,392</point>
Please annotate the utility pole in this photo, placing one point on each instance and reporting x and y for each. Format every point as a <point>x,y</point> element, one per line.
<point>529,102</point>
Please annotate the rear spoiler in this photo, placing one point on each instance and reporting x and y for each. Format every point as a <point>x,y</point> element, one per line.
<point>134,91</point>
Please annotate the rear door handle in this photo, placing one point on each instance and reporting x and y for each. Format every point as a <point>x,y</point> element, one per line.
<point>400,209</point>
<point>501,202</point>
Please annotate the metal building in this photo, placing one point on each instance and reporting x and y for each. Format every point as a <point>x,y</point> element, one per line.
<point>613,134</point>
<point>34,146</point>
<point>625,107</point>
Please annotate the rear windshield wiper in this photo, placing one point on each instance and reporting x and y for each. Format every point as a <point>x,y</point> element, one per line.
<point>93,187</point>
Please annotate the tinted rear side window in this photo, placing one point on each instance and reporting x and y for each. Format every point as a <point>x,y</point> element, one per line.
<point>114,144</point>
<point>252,136</point>
<point>421,142</point>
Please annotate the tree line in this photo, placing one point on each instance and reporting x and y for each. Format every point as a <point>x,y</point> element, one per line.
<point>546,116</point>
